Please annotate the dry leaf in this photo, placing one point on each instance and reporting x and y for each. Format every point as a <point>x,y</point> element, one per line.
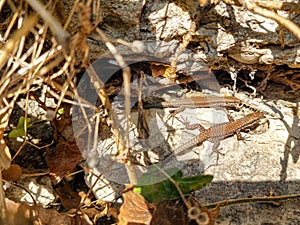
<point>69,199</point>
<point>164,70</point>
<point>212,214</point>
<point>63,159</point>
<point>12,173</point>
<point>159,69</point>
<point>170,212</point>
<point>175,212</point>
<point>135,210</point>
<point>21,213</point>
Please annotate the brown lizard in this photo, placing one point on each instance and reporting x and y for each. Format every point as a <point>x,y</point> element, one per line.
<point>217,132</point>
<point>196,102</point>
<point>182,104</point>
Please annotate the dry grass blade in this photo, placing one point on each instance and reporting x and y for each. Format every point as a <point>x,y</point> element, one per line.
<point>12,42</point>
<point>6,85</point>
<point>124,150</point>
<point>61,35</point>
<point>2,201</point>
<point>24,64</point>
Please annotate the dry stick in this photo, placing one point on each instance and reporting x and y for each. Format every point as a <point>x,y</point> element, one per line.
<point>5,157</point>
<point>81,102</point>
<point>171,73</point>
<point>276,5</point>
<point>71,14</point>
<point>45,57</point>
<point>2,201</point>
<point>89,127</point>
<point>98,177</point>
<point>42,40</point>
<point>13,77</point>
<point>10,26</point>
<point>27,191</point>
<point>188,205</point>
<point>2,4</point>
<point>12,42</point>
<point>126,79</point>
<point>53,64</point>
<point>248,200</point>
<point>7,49</point>
<point>6,85</point>
<point>99,86</point>
<point>27,83</point>
<point>65,86</point>
<point>250,5</point>
<point>97,5</point>
<point>40,147</point>
<point>292,27</point>
<point>61,35</point>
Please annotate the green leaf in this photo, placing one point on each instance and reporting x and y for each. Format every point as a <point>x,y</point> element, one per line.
<point>60,111</point>
<point>19,130</point>
<point>156,176</point>
<point>155,187</point>
<point>193,183</point>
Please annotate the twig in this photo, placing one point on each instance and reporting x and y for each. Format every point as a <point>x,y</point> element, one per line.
<point>292,27</point>
<point>12,42</point>
<point>61,35</point>
<point>126,79</point>
<point>248,200</point>
<point>3,209</point>
<point>187,204</point>
<point>253,7</point>
<point>277,5</point>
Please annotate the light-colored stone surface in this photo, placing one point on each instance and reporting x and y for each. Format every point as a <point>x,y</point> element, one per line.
<point>232,39</point>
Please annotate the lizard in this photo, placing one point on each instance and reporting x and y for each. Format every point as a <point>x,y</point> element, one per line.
<point>182,104</point>
<point>196,102</point>
<point>216,132</point>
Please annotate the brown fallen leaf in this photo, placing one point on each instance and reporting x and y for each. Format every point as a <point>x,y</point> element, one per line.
<point>21,213</point>
<point>64,158</point>
<point>12,173</point>
<point>163,69</point>
<point>169,212</point>
<point>69,199</point>
<point>159,69</point>
<point>135,209</point>
<point>175,212</point>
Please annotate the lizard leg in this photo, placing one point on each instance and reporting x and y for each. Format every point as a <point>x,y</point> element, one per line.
<point>189,126</point>
<point>238,133</point>
<point>174,112</point>
<point>216,149</point>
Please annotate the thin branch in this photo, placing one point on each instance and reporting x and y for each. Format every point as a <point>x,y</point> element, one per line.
<point>61,35</point>
<point>248,200</point>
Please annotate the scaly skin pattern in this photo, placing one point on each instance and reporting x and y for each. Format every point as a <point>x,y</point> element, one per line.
<point>197,102</point>
<point>221,131</point>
